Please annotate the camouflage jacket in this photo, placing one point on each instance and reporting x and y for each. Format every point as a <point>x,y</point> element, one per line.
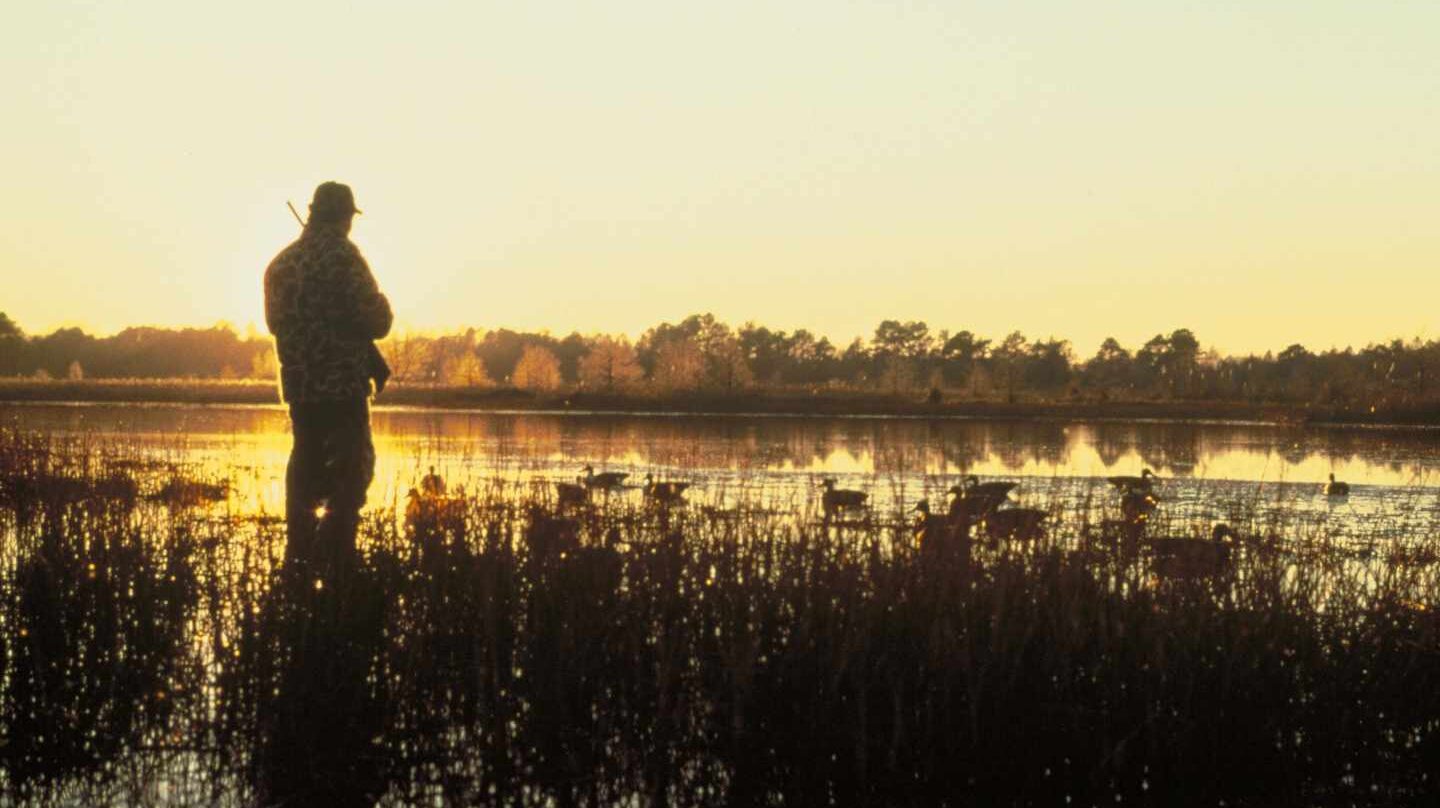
<point>324,308</point>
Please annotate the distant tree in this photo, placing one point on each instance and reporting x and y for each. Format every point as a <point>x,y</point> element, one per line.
<point>8,328</point>
<point>898,373</point>
<point>1110,369</point>
<point>766,352</point>
<point>610,365</point>
<point>960,355</point>
<point>1009,359</point>
<point>265,365</point>
<point>679,365</point>
<point>854,364</point>
<point>465,369</point>
<point>1151,365</point>
<point>409,357</point>
<point>1048,365</point>
<point>537,369</point>
<point>570,351</point>
<point>725,366</point>
<point>12,347</point>
<point>894,338</point>
<point>1183,360</point>
<point>809,360</point>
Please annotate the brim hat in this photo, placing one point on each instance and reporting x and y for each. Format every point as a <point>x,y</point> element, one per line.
<point>333,199</point>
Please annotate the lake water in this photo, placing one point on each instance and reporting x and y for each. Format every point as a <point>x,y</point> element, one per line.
<point>1209,469</point>
<point>152,654</point>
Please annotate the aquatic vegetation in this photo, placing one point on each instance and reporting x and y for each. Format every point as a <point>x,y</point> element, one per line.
<point>735,649</point>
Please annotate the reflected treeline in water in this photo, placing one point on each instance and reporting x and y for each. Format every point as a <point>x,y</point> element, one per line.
<point>743,443</point>
<point>498,648</point>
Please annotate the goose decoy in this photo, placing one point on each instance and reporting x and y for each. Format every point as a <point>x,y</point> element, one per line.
<point>605,481</point>
<point>179,493</point>
<point>836,499</point>
<point>432,484</point>
<point>1136,506</point>
<point>926,525</point>
<point>1016,523</point>
<point>1195,558</point>
<point>428,512</point>
<point>1336,489</point>
<point>971,486</point>
<point>1124,484</point>
<point>665,492</point>
<point>969,506</point>
<point>936,535</point>
<point>571,494</point>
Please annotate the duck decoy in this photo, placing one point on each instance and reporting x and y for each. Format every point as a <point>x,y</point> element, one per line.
<point>970,507</point>
<point>971,486</point>
<point>1195,558</point>
<point>571,494</point>
<point>665,492</point>
<point>1336,489</point>
<point>1136,506</point>
<point>1145,482</point>
<point>926,525</point>
<point>428,512</point>
<point>936,535</point>
<point>1015,523</point>
<point>432,484</point>
<point>605,481</point>
<point>180,493</point>
<point>835,499</point>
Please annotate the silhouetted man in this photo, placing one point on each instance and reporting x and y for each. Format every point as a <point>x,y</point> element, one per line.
<point>325,310</point>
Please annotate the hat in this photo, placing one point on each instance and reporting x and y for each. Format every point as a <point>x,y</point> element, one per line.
<point>332,199</point>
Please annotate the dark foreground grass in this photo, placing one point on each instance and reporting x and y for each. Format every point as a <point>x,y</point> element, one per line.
<point>497,652</point>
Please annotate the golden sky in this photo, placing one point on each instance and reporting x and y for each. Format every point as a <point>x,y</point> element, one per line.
<point>1262,173</point>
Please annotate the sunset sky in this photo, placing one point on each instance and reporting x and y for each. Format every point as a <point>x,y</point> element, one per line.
<point>1262,173</point>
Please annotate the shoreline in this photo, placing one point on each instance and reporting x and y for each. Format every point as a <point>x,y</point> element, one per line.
<point>779,403</point>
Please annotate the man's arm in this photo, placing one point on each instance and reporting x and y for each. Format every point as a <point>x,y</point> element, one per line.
<point>275,308</point>
<point>359,307</point>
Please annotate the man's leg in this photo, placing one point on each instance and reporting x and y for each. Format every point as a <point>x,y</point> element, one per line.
<point>350,462</point>
<point>303,481</point>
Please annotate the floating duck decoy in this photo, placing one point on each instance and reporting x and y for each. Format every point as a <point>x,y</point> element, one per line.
<point>571,495</point>
<point>970,507</point>
<point>1016,523</point>
<point>1144,482</point>
<point>179,492</point>
<point>432,484</point>
<point>664,492</point>
<point>1195,558</point>
<point>429,512</point>
<point>1336,489</point>
<point>605,481</point>
<point>935,535</point>
<point>972,487</point>
<point>1136,506</point>
<point>835,499</point>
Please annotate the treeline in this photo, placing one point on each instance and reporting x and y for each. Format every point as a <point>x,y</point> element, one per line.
<point>701,353</point>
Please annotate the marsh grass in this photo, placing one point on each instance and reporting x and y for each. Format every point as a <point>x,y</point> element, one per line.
<point>738,650</point>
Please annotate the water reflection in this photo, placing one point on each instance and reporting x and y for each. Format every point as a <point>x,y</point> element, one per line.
<point>409,438</point>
